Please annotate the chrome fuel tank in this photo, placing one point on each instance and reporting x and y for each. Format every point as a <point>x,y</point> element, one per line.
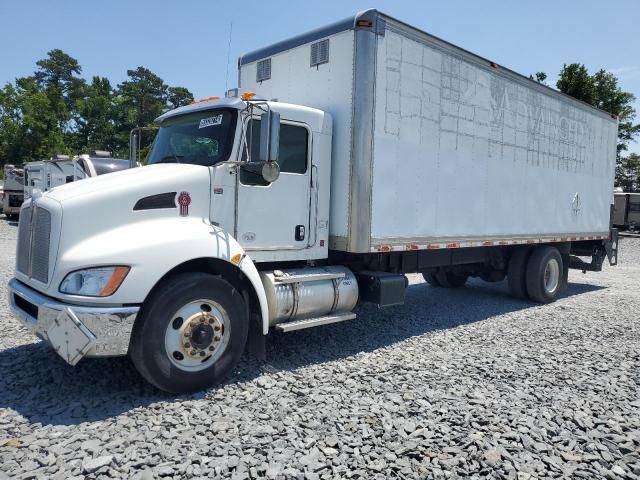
<point>303,293</point>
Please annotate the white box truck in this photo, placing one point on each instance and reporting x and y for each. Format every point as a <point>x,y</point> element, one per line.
<point>61,169</point>
<point>626,210</point>
<point>387,151</point>
<point>12,194</point>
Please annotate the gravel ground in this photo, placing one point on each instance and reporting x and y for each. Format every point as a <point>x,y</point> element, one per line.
<point>454,384</point>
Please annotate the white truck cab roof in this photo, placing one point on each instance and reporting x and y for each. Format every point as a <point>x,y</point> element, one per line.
<point>316,119</point>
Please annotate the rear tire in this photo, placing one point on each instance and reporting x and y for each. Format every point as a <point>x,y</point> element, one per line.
<point>545,272</point>
<point>431,279</point>
<point>449,279</point>
<point>190,334</point>
<point>516,272</point>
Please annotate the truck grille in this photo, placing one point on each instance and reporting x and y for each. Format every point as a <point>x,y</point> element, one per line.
<point>34,234</point>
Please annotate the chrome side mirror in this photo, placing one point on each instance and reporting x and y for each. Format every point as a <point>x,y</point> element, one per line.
<point>269,136</point>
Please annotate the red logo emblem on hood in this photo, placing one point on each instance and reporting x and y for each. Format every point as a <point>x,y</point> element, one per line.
<point>184,200</point>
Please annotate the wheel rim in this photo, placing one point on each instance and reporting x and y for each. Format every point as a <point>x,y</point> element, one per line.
<point>197,335</point>
<point>552,276</point>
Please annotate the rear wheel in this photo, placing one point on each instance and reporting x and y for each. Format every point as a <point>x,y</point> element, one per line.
<point>190,334</point>
<point>545,274</point>
<point>449,279</point>
<point>516,272</point>
<point>431,279</point>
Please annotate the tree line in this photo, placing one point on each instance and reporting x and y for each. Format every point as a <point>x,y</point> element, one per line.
<point>56,111</point>
<point>602,90</point>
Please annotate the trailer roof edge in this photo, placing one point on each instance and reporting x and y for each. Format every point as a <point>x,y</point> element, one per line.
<point>378,24</point>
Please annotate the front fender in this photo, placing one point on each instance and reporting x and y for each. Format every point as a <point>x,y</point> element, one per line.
<point>152,248</point>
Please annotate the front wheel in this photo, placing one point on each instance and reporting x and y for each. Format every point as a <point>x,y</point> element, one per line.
<point>190,334</point>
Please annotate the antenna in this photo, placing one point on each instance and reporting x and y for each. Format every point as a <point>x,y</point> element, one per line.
<point>226,80</point>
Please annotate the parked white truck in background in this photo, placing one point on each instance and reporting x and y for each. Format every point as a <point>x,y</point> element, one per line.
<point>12,194</point>
<point>389,151</point>
<point>47,174</point>
<point>626,211</point>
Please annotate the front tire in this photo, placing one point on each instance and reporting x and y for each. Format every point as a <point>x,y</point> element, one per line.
<point>190,334</point>
<point>545,274</point>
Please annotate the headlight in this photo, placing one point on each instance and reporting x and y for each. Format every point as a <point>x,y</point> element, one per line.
<point>94,282</point>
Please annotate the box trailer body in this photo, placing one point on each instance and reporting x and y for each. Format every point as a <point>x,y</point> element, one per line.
<point>626,210</point>
<point>370,150</point>
<point>434,145</point>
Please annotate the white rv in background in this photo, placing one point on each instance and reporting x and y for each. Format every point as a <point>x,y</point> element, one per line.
<point>47,174</point>
<point>12,191</point>
<point>389,151</point>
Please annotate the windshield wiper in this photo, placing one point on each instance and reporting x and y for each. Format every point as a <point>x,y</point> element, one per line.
<point>170,159</point>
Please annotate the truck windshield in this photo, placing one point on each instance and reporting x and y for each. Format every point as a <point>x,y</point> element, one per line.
<point>202,138</point>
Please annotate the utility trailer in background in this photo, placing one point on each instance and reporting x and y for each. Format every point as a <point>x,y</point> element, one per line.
<point>626,211</point>
<point>372,150</point>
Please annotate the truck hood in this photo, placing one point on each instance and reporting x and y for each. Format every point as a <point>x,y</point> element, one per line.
<point>87,215</point>
<point>134,181</point>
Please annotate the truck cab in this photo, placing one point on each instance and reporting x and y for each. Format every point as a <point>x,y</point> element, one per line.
<point>234,209</point>
<point>283,220</point>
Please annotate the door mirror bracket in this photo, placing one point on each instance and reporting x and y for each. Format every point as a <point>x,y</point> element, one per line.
<point>269,171</point>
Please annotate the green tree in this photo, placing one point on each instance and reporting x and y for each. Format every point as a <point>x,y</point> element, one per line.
<point>602,91</point>
<point>96,117</point>
<point>56,111</point>
<point>628,173</point>
<point>143,97</point>
<point>575,80</point>
<point>539,77</point>
<point>179,97</point>
<point>57,76</point>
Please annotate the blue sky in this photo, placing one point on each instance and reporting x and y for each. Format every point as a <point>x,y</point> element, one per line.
<point>186,42</point>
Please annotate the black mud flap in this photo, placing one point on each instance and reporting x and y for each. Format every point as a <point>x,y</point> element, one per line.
<point>611,246</point>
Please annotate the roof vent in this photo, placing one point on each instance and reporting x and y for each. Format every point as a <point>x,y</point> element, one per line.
<point>263,71</point>
<point>320,52</point>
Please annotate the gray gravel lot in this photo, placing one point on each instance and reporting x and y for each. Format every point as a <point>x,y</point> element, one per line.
<point>454,384</point>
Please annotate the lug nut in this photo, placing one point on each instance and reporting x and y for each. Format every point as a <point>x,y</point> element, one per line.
<point>217,328</point>
<point>202,354</point>
<point>193,352</point>
<point>211,321</point>
<point>187,345</point>
<point>211,348</point>
<point>217,339</point>
<point>202,320</point>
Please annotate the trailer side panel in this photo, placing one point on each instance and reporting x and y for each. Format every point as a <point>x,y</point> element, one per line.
<point>463,152</point>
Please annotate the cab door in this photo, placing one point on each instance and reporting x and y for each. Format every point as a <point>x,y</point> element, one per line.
<point>275,216</point>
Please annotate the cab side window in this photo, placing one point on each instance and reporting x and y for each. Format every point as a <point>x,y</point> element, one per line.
<point>293,151</point>
<point>292,156</point>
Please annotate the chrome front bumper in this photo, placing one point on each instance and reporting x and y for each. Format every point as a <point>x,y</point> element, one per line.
<point>105,331</point>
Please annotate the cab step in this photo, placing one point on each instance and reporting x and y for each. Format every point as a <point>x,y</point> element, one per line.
<point>314,322</point>
<point>281,277</point>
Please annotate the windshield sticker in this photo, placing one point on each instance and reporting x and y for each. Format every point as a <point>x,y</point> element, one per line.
<point>211,121</point>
